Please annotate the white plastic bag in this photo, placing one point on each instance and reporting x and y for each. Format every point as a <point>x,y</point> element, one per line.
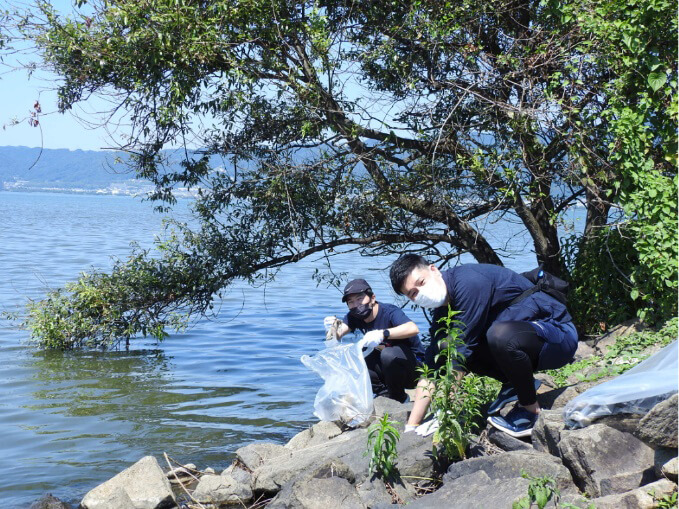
<point>634,392</point>
<point>346,395</point>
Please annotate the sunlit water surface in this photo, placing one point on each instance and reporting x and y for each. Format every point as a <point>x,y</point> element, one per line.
<point>70,421</point>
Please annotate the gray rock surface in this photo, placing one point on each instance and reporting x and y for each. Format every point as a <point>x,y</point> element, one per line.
<point>659,425</point>
<point>49,502</point>
<point>397,411</point>
<point>327,485</point>
<point>222,489</point>
<point>271,476</point>
<point>415,456</point>
<point>667,468</point>
<point>507,442</point>
<point>605,461</point>
<point>373,492</point>
<point>253,455</point>
<point>510,465</point>
<point>639,498</point>
<point>547,432</point>
<point>317,434</point>
<point>143,484</point>
<point>318,494</point>
<point>474,491</point>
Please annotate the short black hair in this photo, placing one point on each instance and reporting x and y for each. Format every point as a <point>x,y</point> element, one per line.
<point>402,268</point>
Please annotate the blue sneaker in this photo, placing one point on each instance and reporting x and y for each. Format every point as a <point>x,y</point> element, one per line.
<point>518,422</point>
<point>507,395</point>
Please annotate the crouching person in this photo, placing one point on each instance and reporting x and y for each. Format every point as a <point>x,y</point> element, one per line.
<point>505,340</point>
<point>397,348</point>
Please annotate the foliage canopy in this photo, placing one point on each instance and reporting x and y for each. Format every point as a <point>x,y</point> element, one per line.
<point>382,126</point>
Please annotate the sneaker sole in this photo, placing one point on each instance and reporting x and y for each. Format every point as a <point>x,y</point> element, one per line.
<point>515,434</point>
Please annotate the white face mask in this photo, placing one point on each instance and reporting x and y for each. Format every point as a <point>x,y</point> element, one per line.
<point>431,295</point>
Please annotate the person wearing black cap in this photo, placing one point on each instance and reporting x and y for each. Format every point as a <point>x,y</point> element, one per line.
<point>394,337</point>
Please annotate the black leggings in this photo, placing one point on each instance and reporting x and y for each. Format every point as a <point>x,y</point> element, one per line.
<point>510,354</point>
<point>392,370</point>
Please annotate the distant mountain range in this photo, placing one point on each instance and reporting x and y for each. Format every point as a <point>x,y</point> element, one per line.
<point>30,169</point>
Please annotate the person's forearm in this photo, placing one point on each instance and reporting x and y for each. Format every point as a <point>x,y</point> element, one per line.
<point>403,331</point>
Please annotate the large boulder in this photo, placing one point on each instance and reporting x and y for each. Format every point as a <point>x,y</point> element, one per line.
<point>645,497</point>
<point>473,491</point>
<point>143,485</point>
<point>605,461</point>
<point>659,426</point>
<point>510,465</point>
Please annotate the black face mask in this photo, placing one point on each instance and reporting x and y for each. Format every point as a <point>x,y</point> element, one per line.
<point>362,311</point>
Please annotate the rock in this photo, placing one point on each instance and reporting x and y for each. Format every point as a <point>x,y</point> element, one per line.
<point>373,492</point>
<point>318,433</point>
<point>49,502</point>
<point>507,442</point>
<point>666,463</point>
<point>644,497</point>
<point>474,491</point>
<point>605,461</point>
<point>509,465</point>
<point>254,455</point>
<point>185,473</point>
<point>318,494</point>
<point>547,432</point>
<point>144,484</point>
<point>210,471</point>
<point>397,411</point>
<point>239,473</point>
<point>659,426</point>
<point>415,456</point>
<point>583,351</point>
<point>222,489</point>
<point>328,485</point>
<point>347,448</point>
<point>627,423</point>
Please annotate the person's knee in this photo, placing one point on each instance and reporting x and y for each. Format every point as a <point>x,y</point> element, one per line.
<point>389,356</point>
<point>497,335</point>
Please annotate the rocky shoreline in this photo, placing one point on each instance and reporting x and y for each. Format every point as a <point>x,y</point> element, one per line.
<point>621,461</point>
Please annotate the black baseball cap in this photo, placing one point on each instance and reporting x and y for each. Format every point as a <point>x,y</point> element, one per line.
<point>356,286</point>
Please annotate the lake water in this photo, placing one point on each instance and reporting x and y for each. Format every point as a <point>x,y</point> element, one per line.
<point>72,420</point>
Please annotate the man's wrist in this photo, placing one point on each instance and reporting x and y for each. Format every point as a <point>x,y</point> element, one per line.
<point>385,334</point>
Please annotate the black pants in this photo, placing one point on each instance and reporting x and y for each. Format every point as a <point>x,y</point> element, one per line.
<point>509,353</point>
<point>392,370</point>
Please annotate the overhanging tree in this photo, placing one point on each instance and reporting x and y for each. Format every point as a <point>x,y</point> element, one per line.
<point>384,126</point>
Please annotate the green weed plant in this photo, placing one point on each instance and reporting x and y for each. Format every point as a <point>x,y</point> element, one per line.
<point>456,399</point>
<point>382,440</point>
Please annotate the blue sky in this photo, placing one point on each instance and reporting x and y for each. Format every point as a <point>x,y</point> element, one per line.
<point>18,94</point>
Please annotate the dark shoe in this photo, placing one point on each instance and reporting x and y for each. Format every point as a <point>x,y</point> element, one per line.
<point>518,422</point>
<point>507,395</point>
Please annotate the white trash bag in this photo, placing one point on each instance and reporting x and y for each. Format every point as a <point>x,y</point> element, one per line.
<point>634,392</point>
<point>347,394</point>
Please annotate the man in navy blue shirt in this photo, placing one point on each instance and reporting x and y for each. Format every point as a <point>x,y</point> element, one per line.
<point>502,338</point>
<point>386,328</point>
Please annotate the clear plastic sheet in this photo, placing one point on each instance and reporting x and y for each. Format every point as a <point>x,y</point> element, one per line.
<point>634,392</point>
<point>346,395</point>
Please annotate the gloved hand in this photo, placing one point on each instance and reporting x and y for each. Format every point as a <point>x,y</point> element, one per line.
<point>429,427</point>
<point>372,338</point>
<point>328,322</point>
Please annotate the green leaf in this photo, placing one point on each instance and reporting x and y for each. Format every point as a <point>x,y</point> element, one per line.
<point>657,80</point>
